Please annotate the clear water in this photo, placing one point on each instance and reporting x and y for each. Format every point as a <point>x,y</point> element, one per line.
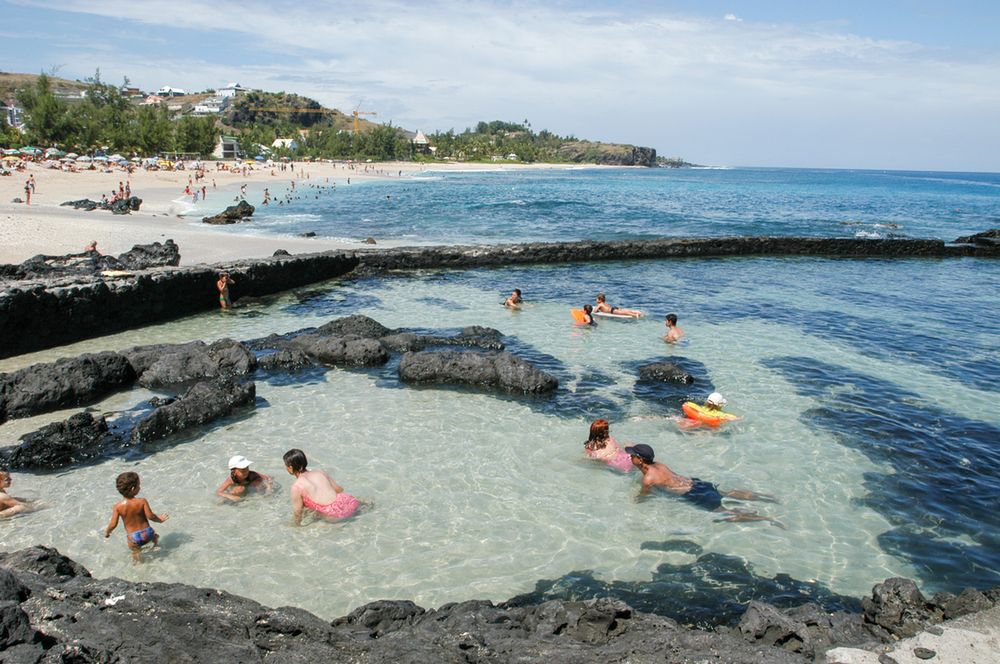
<point>868,390</point>
<point>583,204</point>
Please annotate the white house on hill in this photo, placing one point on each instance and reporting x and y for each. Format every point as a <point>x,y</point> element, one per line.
<point>287,143</point>
<point>230,90</point>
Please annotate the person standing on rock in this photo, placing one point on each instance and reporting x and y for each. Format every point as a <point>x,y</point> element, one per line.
<point>223,286</point>
<point>701,493</point>
<point>316,491</point>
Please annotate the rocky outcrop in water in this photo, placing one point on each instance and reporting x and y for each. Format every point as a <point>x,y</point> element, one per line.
<point>64,383</point>
<point>203,403</point>
<point>492,370</point>
<point>665,372</point>
<point>81,439</point>
<point>341,351</point>
<point>231,215</point>
<point>51,609</point>
<point>172,364</point>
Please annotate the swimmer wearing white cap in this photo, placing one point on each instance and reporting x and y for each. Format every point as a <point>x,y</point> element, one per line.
<point>715,401</point>
<point>241,480</point>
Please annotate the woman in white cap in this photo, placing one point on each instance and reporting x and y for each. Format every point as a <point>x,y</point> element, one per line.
<point>715,401</point>
<point>241,479</point>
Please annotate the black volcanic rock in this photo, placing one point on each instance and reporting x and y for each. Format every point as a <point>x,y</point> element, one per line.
<point>232,214</point>
<point>145,256</point>
<point>172,364</point>
<point>898,606</point>
<point>79,439</point>
<point>496,370</point>
<point>347,350</point>
<point>203,403</point>
<point>665,372</point>
<point>356,325</point>
<point>67,382</point>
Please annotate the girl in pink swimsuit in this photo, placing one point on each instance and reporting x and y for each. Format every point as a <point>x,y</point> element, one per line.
<point>316,491</point>
<point>602,447</point>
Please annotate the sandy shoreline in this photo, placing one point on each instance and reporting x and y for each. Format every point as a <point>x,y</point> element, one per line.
<point>46,228</point>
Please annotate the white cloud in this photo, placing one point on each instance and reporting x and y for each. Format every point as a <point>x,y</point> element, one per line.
<point>732,17</point>
<point>686,85</point>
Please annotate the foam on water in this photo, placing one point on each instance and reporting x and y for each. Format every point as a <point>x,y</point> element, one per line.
<point>478,496</point>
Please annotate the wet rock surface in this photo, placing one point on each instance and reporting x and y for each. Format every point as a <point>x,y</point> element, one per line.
<point>665,372</point>
<point>80,439</point>
<point>67,382</point>
<point>172,364</point>
<point>51,609</point>
<point>499,370</point>
<point>203,403</point>
<point>232,214</point>
<point>92,263</point>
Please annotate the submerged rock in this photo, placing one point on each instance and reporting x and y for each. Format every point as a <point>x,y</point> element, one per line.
<point>67,382</point>
<point>666,372</point>
<point>501,371</point>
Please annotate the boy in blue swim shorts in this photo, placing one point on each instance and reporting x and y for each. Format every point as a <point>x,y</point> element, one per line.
<point>136,513</point>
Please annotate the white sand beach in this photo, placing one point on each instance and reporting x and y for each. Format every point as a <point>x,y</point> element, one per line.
<point>44,227</point>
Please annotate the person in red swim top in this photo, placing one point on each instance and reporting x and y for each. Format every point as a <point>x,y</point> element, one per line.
<point>316,491</point>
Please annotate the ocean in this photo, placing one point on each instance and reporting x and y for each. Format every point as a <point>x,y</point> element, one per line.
<point>867,391</point>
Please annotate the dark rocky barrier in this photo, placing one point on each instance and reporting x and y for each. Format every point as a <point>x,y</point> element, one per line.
<point>589,251</point>
<point>52,609</point>
<point>37,314</point>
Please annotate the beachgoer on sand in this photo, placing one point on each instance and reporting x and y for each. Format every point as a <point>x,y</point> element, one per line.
<point>136,513</point>
<point>702,494</point>
<point>315,490</point>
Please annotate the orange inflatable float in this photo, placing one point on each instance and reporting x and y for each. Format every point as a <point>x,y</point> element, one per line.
<point>712,418</point>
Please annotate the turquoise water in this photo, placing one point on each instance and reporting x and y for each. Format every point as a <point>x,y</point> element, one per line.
<point>867,389</point>
<point>634,203</point>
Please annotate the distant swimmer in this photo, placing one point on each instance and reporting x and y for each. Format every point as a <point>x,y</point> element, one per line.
<point>602,447</point>
<point>674,333</point>
<point>605,308</point>
<point>515,300</point>
<point>242,480</point>
<point>702,494</point>
<point>316,491</point>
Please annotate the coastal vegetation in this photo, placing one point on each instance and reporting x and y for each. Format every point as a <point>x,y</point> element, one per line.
<point>95,114</point>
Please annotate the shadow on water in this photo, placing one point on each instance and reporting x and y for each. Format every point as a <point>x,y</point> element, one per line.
<point>943,492</point>
<point>712,590</point>
<point>340,301</point>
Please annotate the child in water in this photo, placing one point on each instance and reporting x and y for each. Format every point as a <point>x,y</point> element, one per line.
<point>241,480</point>
<point>136,513</point>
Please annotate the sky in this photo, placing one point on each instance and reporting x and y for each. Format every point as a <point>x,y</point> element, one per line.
<point>905,84</point>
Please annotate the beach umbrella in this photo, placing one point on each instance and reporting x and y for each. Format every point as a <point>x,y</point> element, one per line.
<point>258,158</point>
<point>30,150</point>
<point>12,152</point>
<point>72,155</point>
<point>84,158</point>
<point>136,160</point>
<point>116,157</point>
<point>11,158</point>
<point>54,152</point>
<point>100,158</point>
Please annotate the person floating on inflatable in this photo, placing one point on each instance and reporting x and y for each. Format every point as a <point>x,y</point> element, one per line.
<point>711,413</point>
<point>583,316</point>
<point>604,308</point>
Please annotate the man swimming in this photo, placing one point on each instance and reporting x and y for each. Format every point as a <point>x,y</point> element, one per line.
<point>674,333</point>
<point>701,493</point>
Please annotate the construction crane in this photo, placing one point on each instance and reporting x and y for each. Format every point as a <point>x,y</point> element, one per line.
<point>356,113</point>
